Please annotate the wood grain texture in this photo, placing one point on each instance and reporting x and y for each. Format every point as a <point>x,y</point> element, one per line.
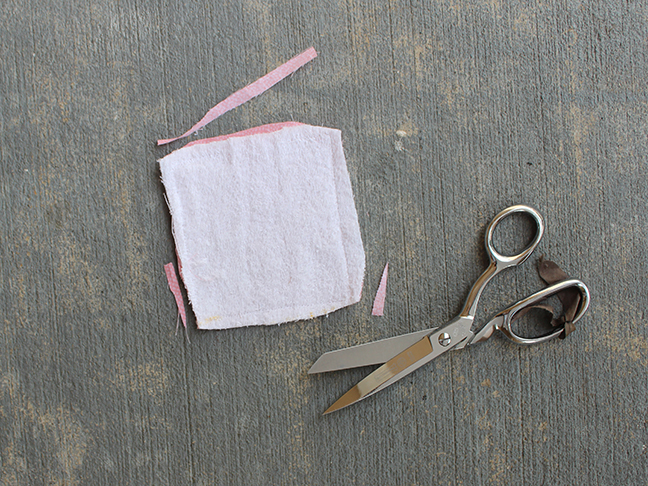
<point>450,111</point>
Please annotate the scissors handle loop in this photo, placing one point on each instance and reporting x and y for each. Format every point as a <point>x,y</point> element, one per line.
<point>505,261</point>
<point>510,313</point>
<point>499,262</point>
<point>502,321</point>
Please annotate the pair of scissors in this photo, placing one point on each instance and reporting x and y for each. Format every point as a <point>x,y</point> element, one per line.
<point>401,355</point>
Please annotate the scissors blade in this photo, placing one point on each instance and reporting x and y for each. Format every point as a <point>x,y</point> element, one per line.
<point>409,360</point>
<point>377,352</point>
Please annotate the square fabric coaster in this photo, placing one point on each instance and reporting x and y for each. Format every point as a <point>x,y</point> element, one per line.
<point>265,225</point>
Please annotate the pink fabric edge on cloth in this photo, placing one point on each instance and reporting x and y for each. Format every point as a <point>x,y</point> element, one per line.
<point>269,128</point>
<point>174,286</point>
<point>379,301</point>
<point>250,91</point>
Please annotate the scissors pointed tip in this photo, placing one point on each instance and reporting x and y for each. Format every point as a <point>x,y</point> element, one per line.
<point>319,366</point>
<point>349,398</point>
<point>328,410</point>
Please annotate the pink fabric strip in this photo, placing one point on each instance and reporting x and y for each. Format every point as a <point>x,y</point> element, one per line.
<point>271,127</point>
<point>175,289</point>
<point>250,91</point>
<point>379,301</point>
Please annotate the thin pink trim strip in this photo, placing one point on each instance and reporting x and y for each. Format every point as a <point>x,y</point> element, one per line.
<point>379,301</point>
<point>169,269</point>
<point>250,91</point>
<point>269,128</point>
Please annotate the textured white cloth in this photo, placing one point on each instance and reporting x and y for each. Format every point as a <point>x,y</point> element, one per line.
<point>265,226</point>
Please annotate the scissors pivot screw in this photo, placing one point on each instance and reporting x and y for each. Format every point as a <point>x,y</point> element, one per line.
<point>444,339</point>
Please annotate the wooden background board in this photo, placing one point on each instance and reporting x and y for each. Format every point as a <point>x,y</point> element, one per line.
<point>450,111</point>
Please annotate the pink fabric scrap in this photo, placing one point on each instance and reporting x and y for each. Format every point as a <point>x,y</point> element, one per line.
<point>250,91</point>
<point>379,301</point>
<point>175,290</point>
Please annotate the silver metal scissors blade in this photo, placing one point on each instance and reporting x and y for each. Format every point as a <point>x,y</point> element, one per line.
<point>377,352</point>
<point>421,352</point>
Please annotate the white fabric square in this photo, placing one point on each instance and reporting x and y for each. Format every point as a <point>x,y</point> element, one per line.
<point>265,225</point>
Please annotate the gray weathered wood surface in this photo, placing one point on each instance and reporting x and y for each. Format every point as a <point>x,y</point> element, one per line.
<point>450,111</point>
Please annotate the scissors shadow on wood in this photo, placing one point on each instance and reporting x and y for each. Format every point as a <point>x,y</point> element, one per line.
<point>401,355</point>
